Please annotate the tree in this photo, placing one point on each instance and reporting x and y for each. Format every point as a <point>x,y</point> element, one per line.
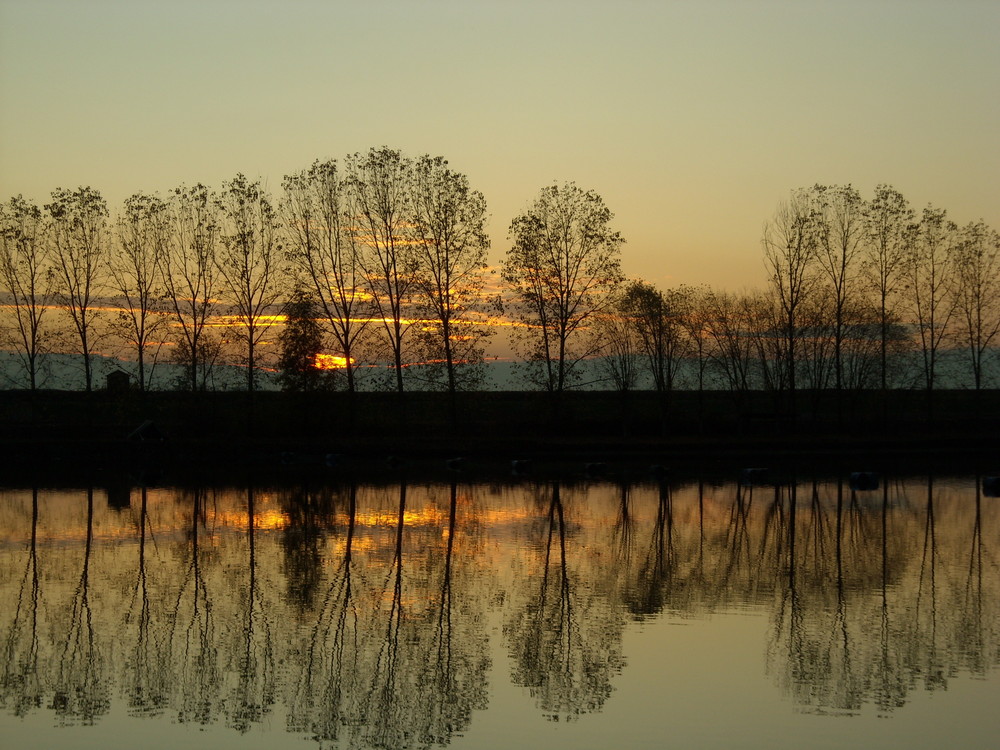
<point>731,349</point>
<point>887,216</point>
<point>791,241</point>
<point>249,262</point>
<point>380,207</point>
<point>26,274</point>
<point>79,226</point>
<point>841,213</point>
<point>188,269</point>
<point>618,346</point>
<point>696,327</point>
<point>449,221</point>
<point>978,298</point>
<point>658,317</point>
<point>142,241</point>
<point>564,262</point>
<point>329,254</point>
<point>929,272</point>
<point>300,341</point>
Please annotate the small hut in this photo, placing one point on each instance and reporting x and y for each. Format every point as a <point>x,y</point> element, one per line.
<point>119,381</point>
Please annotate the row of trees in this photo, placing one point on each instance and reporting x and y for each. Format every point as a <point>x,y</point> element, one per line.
<point>381,258</point>
<point>376,247</point>
<point>861,294</point>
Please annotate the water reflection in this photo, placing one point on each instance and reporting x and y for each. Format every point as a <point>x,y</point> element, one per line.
<point>361,614</point>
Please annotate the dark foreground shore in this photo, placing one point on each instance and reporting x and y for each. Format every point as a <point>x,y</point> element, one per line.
<point>180,436</point>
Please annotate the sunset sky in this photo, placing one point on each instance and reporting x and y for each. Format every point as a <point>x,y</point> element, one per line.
<point>691,119</point>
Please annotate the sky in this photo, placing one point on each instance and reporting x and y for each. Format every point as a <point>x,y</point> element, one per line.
<point>692,120</point>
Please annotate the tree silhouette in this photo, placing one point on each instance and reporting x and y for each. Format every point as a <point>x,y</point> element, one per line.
<point>930,275</point>
<point>381,209</point>
<point>189,272</point>
<point>300,341</point>
<point>791,241</point>
<point>28,276</point>
<point>451,244</point>
<point>142,231</point>
<point>887,216</point>
<point>564,261</point>
<point>250,263</point>
<point>978,293</point>
<point>327,251</point>
<point>79,227</point>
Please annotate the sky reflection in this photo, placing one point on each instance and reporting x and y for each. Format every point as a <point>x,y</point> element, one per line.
<point>416,616</point>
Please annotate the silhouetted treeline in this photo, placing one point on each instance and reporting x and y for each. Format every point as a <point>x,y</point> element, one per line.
<point>370,272</point>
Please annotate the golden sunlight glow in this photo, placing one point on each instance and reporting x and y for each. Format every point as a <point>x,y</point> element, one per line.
<point>235,321</point>
<point>330,362</point>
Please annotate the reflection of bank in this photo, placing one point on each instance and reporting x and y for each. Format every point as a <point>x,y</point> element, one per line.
<point>359,611</point>
<point>878,600</point>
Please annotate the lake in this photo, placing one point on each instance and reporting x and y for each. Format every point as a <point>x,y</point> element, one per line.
<point>777,611</point>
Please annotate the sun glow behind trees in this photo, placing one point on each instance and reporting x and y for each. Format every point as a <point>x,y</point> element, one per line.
<point>392,252</point>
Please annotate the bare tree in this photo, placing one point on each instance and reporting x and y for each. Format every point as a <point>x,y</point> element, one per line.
<point>619,347</point>
<point>326,249</point>
<point>451,244</point>
<point>26,274</point>
<point>142,240</point>
<point>887,216</point>
<point>761,322</point>
<point>841,213</point>
<point>380,207</point>
<point>816,339</point>
<point>791,241</point>
<point>189,272</point>
<point>696,327</point>
<point>732,350</point>
<point>978,297</point>
<point>930,276</point>
<point>79,228</point>
<point>658,320</point>
<point>564,262</point>
<point>249,262</point>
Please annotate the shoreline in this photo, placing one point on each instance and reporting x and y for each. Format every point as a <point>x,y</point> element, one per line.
<point>54,437</point>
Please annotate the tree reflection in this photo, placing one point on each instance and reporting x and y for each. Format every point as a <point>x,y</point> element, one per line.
<point>855,627</point>
<point>146,680</point>
<point>646,596</point>
<point>81,690</point>
<point>564,643</point>
<point>387,696</point>
<point>455,672</point>
<point>924,637</point>
<point>382,640</point>
<point>254,694</point>
<point>20,685</point>
<point>194,648</point>
<point>323,699</point>
<point>302,541</point>
<point>890,679</point>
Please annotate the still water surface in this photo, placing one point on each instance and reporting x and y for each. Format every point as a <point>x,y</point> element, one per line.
<point>471,615</point>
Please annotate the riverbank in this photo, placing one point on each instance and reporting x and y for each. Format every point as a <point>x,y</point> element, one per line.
<point>55,433</point>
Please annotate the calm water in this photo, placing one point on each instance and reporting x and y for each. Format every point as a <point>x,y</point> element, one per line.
<point>583,615</point>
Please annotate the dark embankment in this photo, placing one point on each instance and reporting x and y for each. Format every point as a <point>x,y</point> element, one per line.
<point>49,433</point>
